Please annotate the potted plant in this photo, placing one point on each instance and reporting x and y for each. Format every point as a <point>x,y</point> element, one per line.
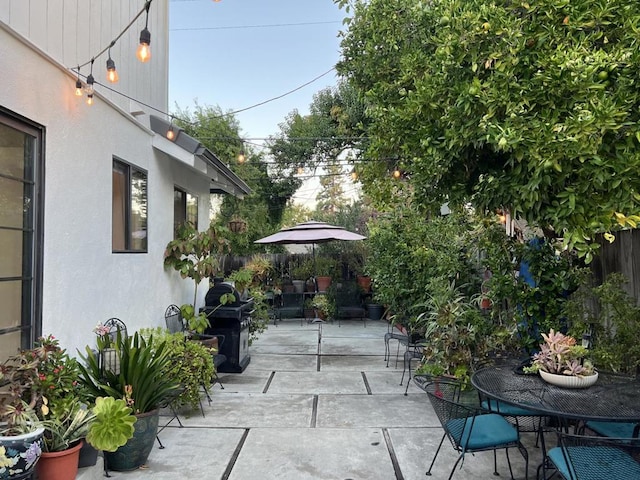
<point>190,364</point>
<point>196,255</point>
<point>141,382</point>
<point>562,362</point>
<point>20,429</point>
<point>322,306</point>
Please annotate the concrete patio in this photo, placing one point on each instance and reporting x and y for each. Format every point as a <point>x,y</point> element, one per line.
<point>316,403</point>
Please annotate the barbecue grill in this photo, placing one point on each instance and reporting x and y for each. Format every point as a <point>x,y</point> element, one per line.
<point>231,320</point>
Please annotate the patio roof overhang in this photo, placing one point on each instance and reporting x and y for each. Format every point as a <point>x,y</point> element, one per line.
<point>195,155</point>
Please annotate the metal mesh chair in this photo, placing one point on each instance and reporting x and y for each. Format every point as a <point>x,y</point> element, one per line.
<point>579,457</point>
<point>614,429</point>
<point>471,429</point>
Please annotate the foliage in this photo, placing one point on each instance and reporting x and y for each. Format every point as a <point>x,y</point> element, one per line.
<point>65,429</point>
<point>457,333</point>
<point>260,315</point>
<point>612,317</point>
<point>196,255</point>
<point>559,354</point>
<point>322,304</point>
<point>140,382</point>
<point>535,303</point>
<point>408,250</point>
<point>19,374</point>
<point>529,106</point>
<point>190,365</point>
<point>112,425</point>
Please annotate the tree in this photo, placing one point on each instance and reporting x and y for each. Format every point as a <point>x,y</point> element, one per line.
<point>530,106</point>
<point>271,189</point>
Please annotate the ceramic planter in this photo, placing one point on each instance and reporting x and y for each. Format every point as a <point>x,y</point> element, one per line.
<point>569,381</point>
<point>135,452</point>
<point>323,283</point>
<point>19,454</point>
<point>59,465</point>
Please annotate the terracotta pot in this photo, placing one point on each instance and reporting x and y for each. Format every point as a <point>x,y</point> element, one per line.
<point>59,465</point>
<point>364,282</point>
<point>323,283</point>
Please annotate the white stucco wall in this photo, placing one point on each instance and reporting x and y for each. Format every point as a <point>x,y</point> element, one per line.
<point>84,282</point>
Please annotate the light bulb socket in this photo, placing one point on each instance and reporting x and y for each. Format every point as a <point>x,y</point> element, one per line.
<point>90,82</point>
<point>145,36</point>
<point>111,65</point>
<point>78,88</point>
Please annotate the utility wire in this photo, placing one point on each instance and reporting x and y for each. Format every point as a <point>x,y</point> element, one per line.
<point>243,27</point>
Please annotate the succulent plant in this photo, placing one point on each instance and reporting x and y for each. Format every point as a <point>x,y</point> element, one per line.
<point>559,354</point>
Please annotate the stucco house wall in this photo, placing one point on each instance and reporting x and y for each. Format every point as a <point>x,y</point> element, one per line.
<point>83,281</point>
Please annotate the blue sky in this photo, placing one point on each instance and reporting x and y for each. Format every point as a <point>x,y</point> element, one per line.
<point>230,56</point>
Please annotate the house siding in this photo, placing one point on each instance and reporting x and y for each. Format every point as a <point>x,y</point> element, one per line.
<point>84,282</point>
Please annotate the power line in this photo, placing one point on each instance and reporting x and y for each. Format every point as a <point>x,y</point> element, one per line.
<point>243,27</point>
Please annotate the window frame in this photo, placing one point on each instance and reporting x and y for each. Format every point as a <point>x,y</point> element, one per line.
<point>184,209</point>
<point>129,170</point>
<point>32,281</point>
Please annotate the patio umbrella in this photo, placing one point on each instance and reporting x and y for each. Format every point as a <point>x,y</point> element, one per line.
<point>311,232</point>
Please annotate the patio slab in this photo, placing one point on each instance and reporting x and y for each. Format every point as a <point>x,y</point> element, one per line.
<point>375,411</point>
<point>359,363</point>
<point>318,383</point>
<point>288,337</point>
<point>248,410</point>
<point>314,454</point>
<point>284,349</point>
<point>351,346</point>
<point>281,362</point>
<point>388,381</point>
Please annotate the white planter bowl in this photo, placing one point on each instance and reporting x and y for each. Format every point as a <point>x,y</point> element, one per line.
<point>569,381</point>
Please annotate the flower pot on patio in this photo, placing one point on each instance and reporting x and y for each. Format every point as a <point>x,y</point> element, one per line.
<point>364,282</point>
<point>298,285</point>
<point>61,465</point>
<point>323,283</point>
<point>22,451</point>
<point>135,452</point>
<point>569,381</point>
<point>375,311</point>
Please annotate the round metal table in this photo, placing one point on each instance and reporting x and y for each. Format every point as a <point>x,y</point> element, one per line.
<point>613,398</point>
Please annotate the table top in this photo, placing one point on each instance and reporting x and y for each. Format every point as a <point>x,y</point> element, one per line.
<point>611,398</point>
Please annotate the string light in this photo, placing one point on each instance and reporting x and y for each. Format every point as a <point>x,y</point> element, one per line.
<point>144,49</point>
<point>112,73</point>
<point>78,85</point>
<point>354,175</point>
<point>171,135</point>
<point>300,170</point>
<point>241,156</point>
<point>90,82</point>
<point>397,174</point>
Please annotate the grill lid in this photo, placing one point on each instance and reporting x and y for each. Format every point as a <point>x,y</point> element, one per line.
<point>212,298</point>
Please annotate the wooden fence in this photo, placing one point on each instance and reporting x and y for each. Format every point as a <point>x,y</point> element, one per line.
<point>621,256</point>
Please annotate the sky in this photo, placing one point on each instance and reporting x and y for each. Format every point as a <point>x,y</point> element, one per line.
<point>230,53</point>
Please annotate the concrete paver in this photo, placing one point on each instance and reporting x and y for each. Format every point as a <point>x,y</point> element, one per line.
<point>317,402</point>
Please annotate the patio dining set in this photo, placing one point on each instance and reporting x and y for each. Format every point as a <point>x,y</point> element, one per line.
<point>591,433</point>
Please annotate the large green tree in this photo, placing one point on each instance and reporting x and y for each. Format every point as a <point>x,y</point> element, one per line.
<point>263,208</point>
<point>532,106</point>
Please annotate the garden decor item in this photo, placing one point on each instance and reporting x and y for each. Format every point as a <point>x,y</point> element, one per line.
<point>560,356</point>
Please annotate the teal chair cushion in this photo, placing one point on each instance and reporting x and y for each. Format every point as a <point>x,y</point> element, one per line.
<point>486,431</point>
<point>594,463</point>
<point>612,429</point>
<point>503,408</point>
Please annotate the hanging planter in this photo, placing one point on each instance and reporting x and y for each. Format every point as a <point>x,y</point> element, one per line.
<point>237,225</point>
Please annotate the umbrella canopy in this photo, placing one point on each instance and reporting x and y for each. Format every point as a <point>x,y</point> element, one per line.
<point>311,232</point>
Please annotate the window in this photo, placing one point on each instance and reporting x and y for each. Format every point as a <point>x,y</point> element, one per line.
<point>185,209</point>
<point>129,209</point>
<point>21,162</point>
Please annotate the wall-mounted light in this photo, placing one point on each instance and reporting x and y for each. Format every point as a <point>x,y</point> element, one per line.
<point>144,49</point>
<point>112,73</point>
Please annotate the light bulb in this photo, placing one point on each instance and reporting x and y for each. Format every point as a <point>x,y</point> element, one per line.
<point>241,157</point>
<point>78,88</point>
<point>354,175</point>
<point>397,174</point>
<point>144,49</point>
<point>112,73</point>
<point>90,99</point>
<point>171,134</point>
<point>300,170</point>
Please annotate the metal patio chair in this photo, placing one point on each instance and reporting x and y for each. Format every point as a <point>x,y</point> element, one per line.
<point>579,457</point>
<point>471,429</point>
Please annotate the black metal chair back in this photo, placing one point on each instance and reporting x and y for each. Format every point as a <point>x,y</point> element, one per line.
<point>582,457</point>
<point>173,319</point>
